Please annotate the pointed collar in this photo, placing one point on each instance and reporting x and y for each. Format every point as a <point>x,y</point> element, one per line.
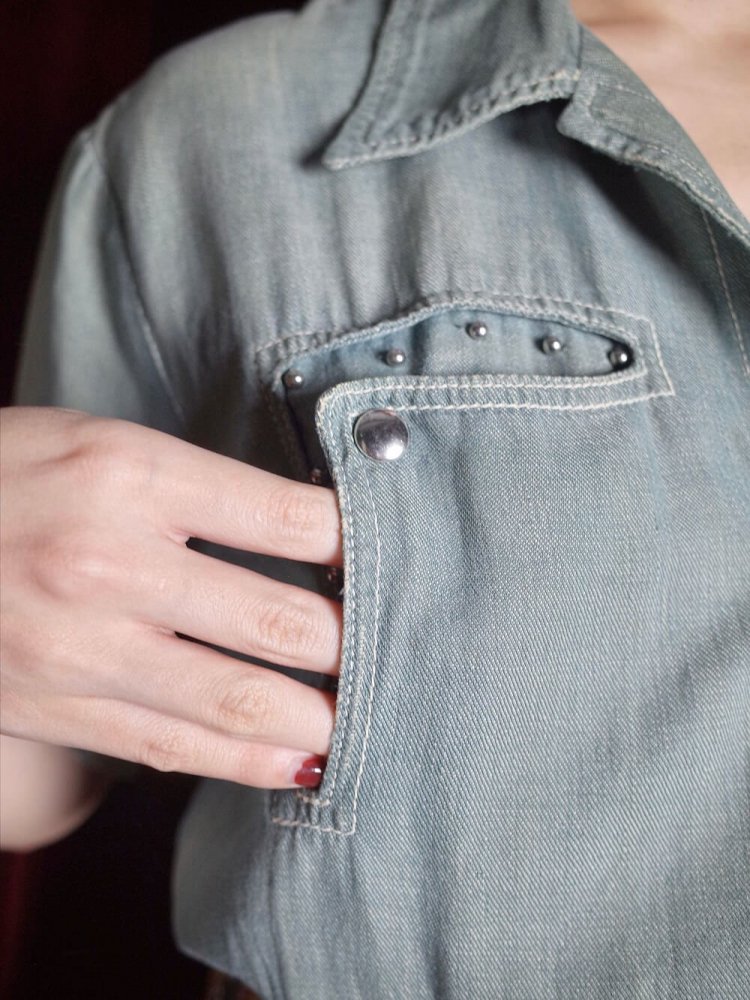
<point>442,67</point>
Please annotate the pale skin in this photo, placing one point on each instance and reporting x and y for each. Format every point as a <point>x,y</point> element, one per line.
<point>694,55</point>
<point>97,579</point>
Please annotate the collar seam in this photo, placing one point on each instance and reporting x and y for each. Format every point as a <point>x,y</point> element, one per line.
<point>630,149</point>
<point>450,124</point>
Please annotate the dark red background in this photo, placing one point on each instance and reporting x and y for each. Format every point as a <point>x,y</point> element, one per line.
<point>89,917</point>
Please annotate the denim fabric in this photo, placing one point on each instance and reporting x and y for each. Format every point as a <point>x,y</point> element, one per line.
<point>538,782</point>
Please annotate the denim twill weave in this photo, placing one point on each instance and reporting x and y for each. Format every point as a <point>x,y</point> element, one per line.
<point>537,787</point>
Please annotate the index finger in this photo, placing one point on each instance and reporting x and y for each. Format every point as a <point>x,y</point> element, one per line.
<point>222,500</point>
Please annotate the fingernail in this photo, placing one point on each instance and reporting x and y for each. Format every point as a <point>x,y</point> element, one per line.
<point>310,773</point>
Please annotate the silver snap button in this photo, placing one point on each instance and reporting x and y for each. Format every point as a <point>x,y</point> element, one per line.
<point>395,356</point>
<point>381,434</point>
<point>293,379</point>
<point>552,344</point>
<point>620,356</point>
<point>477,330</point>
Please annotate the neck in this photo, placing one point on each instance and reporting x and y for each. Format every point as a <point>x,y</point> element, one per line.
<point>705,17</point>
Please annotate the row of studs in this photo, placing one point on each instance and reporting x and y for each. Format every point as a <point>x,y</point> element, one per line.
<point>619,355</point>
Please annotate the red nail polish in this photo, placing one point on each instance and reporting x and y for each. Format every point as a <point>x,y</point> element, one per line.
<point>310,773</point>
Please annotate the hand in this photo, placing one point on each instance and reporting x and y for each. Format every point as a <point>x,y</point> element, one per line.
<point>97,579</point>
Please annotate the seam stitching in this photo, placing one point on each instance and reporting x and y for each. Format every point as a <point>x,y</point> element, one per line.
<point>472,114</point>
<point>613,121</point>
<point>370,702</point>
<point>313,826</point>
<point>737,229</point>
<point>510,382</point>
<point>456,297</point>
<point>603,113</point>
<point>415,144</point>
<point>350,584</point>
<point>573,407</point>
<point>628,90</point>
<point>727,295</point>
<point>375,631</point>
<point>346,707</point>
<point>726,218</point>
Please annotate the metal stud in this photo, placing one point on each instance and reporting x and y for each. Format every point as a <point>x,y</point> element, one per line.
<point>395,356</point>
<point>335,578</point>
<point>293,379</point>
<point>620,356</point>
<point>381,434</point>
<point>552,344</point>
<point>319,477</point>
<point>477,329</point>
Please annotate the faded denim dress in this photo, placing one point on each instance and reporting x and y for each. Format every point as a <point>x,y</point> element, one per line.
<point>454,255</point>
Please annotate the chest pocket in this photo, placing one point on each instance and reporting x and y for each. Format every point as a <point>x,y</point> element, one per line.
<point>558,354</point>
<point>493,468</point>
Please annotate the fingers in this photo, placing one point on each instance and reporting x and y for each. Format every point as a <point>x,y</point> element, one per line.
<point>219,499</point>
<point>188,682</point>
<point>132,471</point>
<point>132,732</point>
<point>238,609</point>
<point>94,592</point>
